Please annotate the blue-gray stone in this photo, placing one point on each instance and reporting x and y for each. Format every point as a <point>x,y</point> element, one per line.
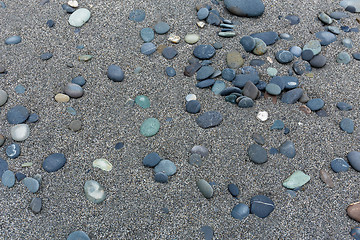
<point>230,90</point>
<point>204,52</point>
<point>278,80</point>
<point>339,165</point>
<point>301,67</point>
<point>240,211</point>
<point>78,235</point>
<point>54,162</point>
<point>315,104</point>
<point>355,233</point>
<point>273,89</point>
<point>67,8</point>
<point>293,19</point>
<point>115,73</point>
<point>296,51</point>
<point>249,70</point>
<point>356,56</point>
<point>228,74</point>
<point>204,72</point>
<point>288,149</point>
<point>292,96</point>
<point>170,71</point>
<point>278,125</point>
<point>17,114</point>
<point>206,62</point>
<point>169,53</point>
<point>333,29</point>
<point>233,189</point>
<point>286,130</point>
<point>284,56</point>
<point>339,15</point>
<point>2,4</point>
<point>321,113</point>
<point>79,80</point>
<point>257,154</point>
<point>347,42</point>
<point>36,205</point>
<point>202,13</point>
<point>218,87</point>
<point>347,125</point>
<point>46,56</point>
<point>290,82</point>
<point>307,54</point>
<point>213,19</point>
<point>286,36</point>
<point>354,160</point>
<point>165,166</point>
<point>261,85</point>
<point>209,119</point>
<point>257,62</point>
<point>218,45</point>
<point>13,40</point>
<point>73,90</point>
<point>193,106</point>
<point>248,43</point>
<point>13,150</point>
<point>261,206</point>
<point>50,23</point>
<point>231,98</point>
<point>19,176</point>
<point>344,106</point>
<point>195,160</point>
<point>3,166</point>
<point>119,145</point>
<point>8,178</point>
<point>161,177</point>
<point>273,151</point>
<point>161,28</point>
<point>32,184</point>
<point>241,79</point>
<point>326,37</point>
<point>148,48</point>
<point>151,160</point>
<point>147,34</point>
<point>245,8</point>
<point>268,37</point>
<point>207,230</point>
<point>318,61</point>
<point>246,102</point>
<point>137,15</point>
<point>343,57</point>
<point>258,139</point>
<point>205,83</point>
<point>19,89</point>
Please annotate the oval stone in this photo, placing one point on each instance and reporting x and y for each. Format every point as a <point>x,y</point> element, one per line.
<point>17,114</point>
<point>54,162</point>
<point>13,40</point>
<point>13,150</point>
<point>354,160</point>
<point>73,90</point>
<point>315,104</point>
<point>103,164</point>
<point>248,43</point>
<point>165,166</point>
<point>201,150</point>
<point>318,61</point>
<point>193,106</point>
<point>151,160</point>
<point>209,119</point>
<point>79,17</point>
<point>339,165</point>
<point>3,166</point>
<point>94,192</point>
<point>150,127</point>
<point>234,59</point>
<point>284,56</point>
<point>245,8</point>
<point>288,149</point>
<point>36,205</point>
<point>115,73</point>
<point>142,101</point>
<point>161,177</point>
<point>62,98</point>
<point>205,188</point>
<point>257,154</point>
<point>204,52</point>
<point>261,206</point>
<point>273,89</point>
<point>192,38</point>
<point>32,184</point>
<point>233,189</point>
<point>148,48</point>
<point>147,34</point>
<point>78,235</point>
<point>79,80</point>
<point>20,132</point>
<point>8,179</point>
<point>161,28</point>
<point>240,211</point>
<point>296,180</point>
<point>3,97</point>
<point>347,125</point>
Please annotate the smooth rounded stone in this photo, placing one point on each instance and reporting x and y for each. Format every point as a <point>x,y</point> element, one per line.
<point>67,8</point>
<point>241,79</point>
<point>79,80</point>
<point>354,160</point>
<point>333,29</point>
<point>284,56</point>
<point>204,72</point>
<point>339,15</point>
<point>161,177</point>
<point>213,18</point>
<point>33,118</point>
<point>148,48</point>
<point>20,89</point>
<point>271,71</point>
<point>273,89</point>
<point>287,148</point>
<point>315,104</point>
<point>246,102</point>
<point>8,179</point>
<point>35,205</point>
<point>325,177</point>
<point>94,192</point>
<point>205,83</point>
<point>261,206</point>
<point>169,53</point>
<point>307,55</point>
<point>150,127</point>
<point>103,164</point>
<point>3,166</point>
<point>344,106</point>
<point>301,67</point>
<point>314,46</point>
<point>269,38</point>
<point>205,188</point>
<point>204,52</point>
<point>321,113</point>
<point>356,56</point>
<point>193,106</point>
<point>19,176</point>
<point>248,43</point>
<point>278,125</point>
<point>347,42</point>
<point>13,40</point>
<point>190,97</point>
<point>296,51</point>
<point>161,28</point>
<point>209,119</point>
<point>195,160</point>
<point>73,90</point>
<point>79,17</point>
<point>137,15</point>
<point>151,160</point>
<point>343,57</point>
<point>203,13</point>
<point>230,90</point>
<point>73,3</point>
<point>192,38</point>
<point>208,232</point>
<point>293,19</point>
<point>2,140</point>
<point>296,180</point>
<point>147,34</point>
<point>165,166</point>
<point>138,70</point>
<point>31,183</point>
<point>354,4</point>
<point>115,73</point>
<point>290,82</point>
<point>142,101</point>
<point>234,59</point>
<point>258,139</point>
<point>339,165</point>
<point>228,74</point>
<point>13,150</point>
<point>170,71</point>
<point>286,36</point>
<point>304,98</point>
<point>233,189</point>
<point>250,90</point>
<point>260,47</point>
<point>201,150</point>
<point>75,125</point>
<point>218,45</point>
<point>3,97</point>
<point>46,56</point>
<point>17,114</point>
<point>54,162</point>
<point>355,233</point>
<point>218,87</point>
<point>62,98</point>
<point>78,235</point>
<point>20,132</point>
<point>347,125</point>
<point>257,154</point>
<point>245,8</point>
<point>318,61</point>
<point>240,211</point>
<point>325,18</point>
<point>257,62</point>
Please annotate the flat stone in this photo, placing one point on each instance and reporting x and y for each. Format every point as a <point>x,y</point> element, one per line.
<point>208,232</point>
<point>260,47</point>
<point>355,233</point>
<point>78,235</point>
<point>269,38</point>
<point>147,34</point>
<point>35,205</point>
<point>46,56</point>
<point>161,28</point>
<point>195,160</point>
<point>344,106</point>
<point>79,80</point>
<point>148,48</point>
<point>230,90</point>
<point>213,19</point>
<point>205,83</point>
<point>250,90</point>
<point>325,18</point>
<point>355,4</point>
<point>204,52</point>
<point>338,15</point>
<point>17,114</point>
<point>3,166</point>
<point>79,17</point>
<point>233,189</point>
<point>54,162</point>
<point>347,125</point>
<point>284,56</point>
<point>20,132</point>
<point>343,57</point>
<point>248,43</point>
<point>296,180</point>
<point>241,79</point>
<point>240,211</point>
<point>137,15</point>
<point>193,106</point>
<point>205,188</point>
<point>169,53</point>
<point>150,127</point>
<point>234,59</point>
<point>257,154</point>
<point>201,150</point>
<point>31,184</point>
<point>13,40</point>
<point>257,62</point>
<point>245,102</point>
<point>278,125</point>
<point>151,160</point>
<point>19,176</point>
<point>204,72</point>
<point>3,97</point>
<point>209,119</point>
<point>203,13</point>
<point>296,50</point>
<point>165,166</point>
<point>325,177</point>
<point>228,74</point>
<point>103,164</point>
<point>333,29</point>
<point>261,206</point>
<point>288,149</point>
<point>314,46</point>
<point>192,69</point>
<point>218,87</point>
<point>307,54</point>
<point>94,192</point>
<point>318,61</point>
<point>245,8</point>
<point>142,101</point>
<point>293,19</point>
<point>192,38</point>
<point>339,165</point>
<point>315,104</point>
<point>258,139</point>
<point>273,89</point>
<point>8,179</point>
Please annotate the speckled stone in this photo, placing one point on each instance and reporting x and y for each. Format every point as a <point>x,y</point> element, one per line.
<point>150,127</point>
<point>75,125</point>
<point>209,119</point>
<point>79,17</point>
<point>94,192</point>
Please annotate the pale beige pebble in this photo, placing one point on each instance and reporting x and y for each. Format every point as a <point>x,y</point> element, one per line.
<point>200,24</point>
<point>174,38</point>
<point>192,38</point>
<point>190,97</point>
<point>269,59</point>
<point>73,3</point>
<point>63,98</point>
<point>325,177</point>
<point>103,164</point>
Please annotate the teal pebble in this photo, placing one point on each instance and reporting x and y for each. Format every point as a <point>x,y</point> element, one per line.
<point>71,110</point>
<point>273,89</point>
<point>272,71</point>
<point>142,101</point>
<point>218,87</point>
<point>150,127</point>
<point>343,57</point>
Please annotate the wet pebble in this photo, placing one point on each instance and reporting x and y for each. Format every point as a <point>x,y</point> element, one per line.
<point>261,206</point>
<point>54,162</point>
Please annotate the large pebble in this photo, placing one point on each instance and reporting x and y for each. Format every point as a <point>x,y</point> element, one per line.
<point>78,235</point>
<point>245,8</point>
<point>201,150</point>
<point>296,180</point>
<point>240,211</point>
<point>73,90</point>
<point>315,104</point>
<point>3,97</point>
<point>151,160</point>
<point>36,205</point>
<point>148,48</point>
<point>234,59</point>
<point>248,43</point>
<point>250,90</point>
<point>209,119</point>
<point>8,179</point>
<point>161,28</point>
<point>314,46</point>
<point>150,127</point>
<point>193,106</point>
<point>204,52</point>
<point>79,17</point>
<point>260,47</point>
<point>261,206</point>
<point>288,149</point>
<point>165,166</point>
<point>284,56</point>
<point>31,183</point>
<point>3,166</point>
<point>269,38</point>
<point>94,192</point>
<point>13,40</point>
<point>54,162</point>
<point>344,106</point>
<point>318,61</point>
<point>257,154</point>
<point>205,188</point>
<point>115,73</point>
<point>245,102</point>
<point>20,132</point>
<point>204,72</point>
<point>339,165</point>
<point>353,211</point>
<point>17,114</point>
<point>354,160</point>
<point>347,125</point>
<point>241,79</point>
<point>326,37</point>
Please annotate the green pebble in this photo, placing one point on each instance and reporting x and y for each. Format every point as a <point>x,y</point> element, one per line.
<point>297,179</point>
<point>85,58</point>
<point>272,71</point>
<point>142,101</point>
<point>150,127</point>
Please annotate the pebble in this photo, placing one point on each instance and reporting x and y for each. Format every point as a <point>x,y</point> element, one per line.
<point>79,17</point>
<point>261,206</point>
<point>35,205</point>
<point>190,97</point>
<point>354,160</point>
<point>284,56</point>
<point>103,164</point>
<point>245,8</point>
<point>3,97</point>
<point>250,90</point>
<point>246,102</point>
<point>271,71</point>
<point>94,192</point>
<point>228,74</point>
<point>353,211</point>
<point>315,104</point>
<point>54,162</point>
<point>115,73</point>
<point>307,55</point>
<point>20,89</point>
<point>201,150</point>
<point>137,15</point>
<point>318,61</point>
<point>73,90</point>
<point>205,188</point>
<point>343,57</point>
<point>67,8</point>
<point>3,166</point>
<point>142,101</point>
<point>347,42</point>
<point>339,15</point>
<point>273,89</point>
<point>304,98</point>
<point>333,29</point>
<point>150,127</point>
<point>62,98</point>
<point>257,62</point>
<point>234,59</point>
<point>240,211</point>
<point>230,90</point>
<point>356,56</point>
<point>218,45</point>
<point>161,177</point>
<point>213,18</point>
<point>296,180</point>
<point>301,67</point>
<point>248,43</point>
<point>325,18</point>
<point>325,177</point>
<point>19,176</point>
<point>169,53</point>
<point>161,28</point>
<point>218,87</point>
<point>347,125</point>
<point>200,24</point>
<point>278,125</point>
<point>8,179</point>
<point>20,132</point>
<point>314,46</point>
<point>192,38</point>
<point>257,154</point>
<point>209,119</point>
<point>148,48</point>
<point>287,148</point>
<point>165,166</point>
<point>233,189</point>
<point>293,19</point>
<point>17,114</point>
<point>13,40</point>
<point>203,13</point>
<point>79,80</point>
<point>138,70</point>
<point>193,106</point>
<point>344,106</point>
<point>296,51</point>
<point>13,150</point>
<point>147,34</point>
<point>355,233</point>
<point>269,38</point>
<point>205,83</point>
<point>339,165</point>
<point>151,160</point>
<point>260,47</point>
<point>208,232</point>
<point>46,56</point>
<point>195,160</point>
<point>192,69</point>
<point>31,184</point>
<point>354,4</point>
<point>78,235</point>
<point>241,79</point>
<point>204,72</point>
<point>227,34</point>
<point>204,52</point>
<point>258,139</point>
<point>2,140</point>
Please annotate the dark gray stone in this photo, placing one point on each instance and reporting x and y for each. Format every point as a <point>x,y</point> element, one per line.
<point>161,177</point>
<point>209,119</point>
<point>245,8</point>
<point>354,160</point>
<point>268,37</point>
<point>230,90</point>
<point>193,106</point>
<point>315,104</point>
<point>151,160</point>
<point>204,52</point>
<point>246,102</point>
<point>169,53</point>
<point>344,106</point>
<point>318,61</point>
<point>240,211</point>
<point>17,115</point>
<point>204,72</point>
<point>288,149</point>
<point>248,43</point>
<point>205,83</point>
<point>292,96</point>
<point>284,56</point>
<point>261,206</point>
<point>115,73</point>
<point>257,154</point>
<point>192,69</point>
<point>233,189</point>
<point>54,162</point>
<point>36,205</point>
<point>241,79</point>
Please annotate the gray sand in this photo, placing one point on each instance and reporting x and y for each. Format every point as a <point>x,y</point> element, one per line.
<point>133,208</point>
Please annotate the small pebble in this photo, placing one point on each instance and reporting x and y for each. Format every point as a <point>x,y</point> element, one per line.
<point>79,80</point>
<point>195,160</point>
<point>94,192</point>
<point>278,125</point>
<point>205,188</point>
<point>315,104</point>
<point>161,177</point>
<point>261,206</point>
<point>8,179</point>
<point>142,101</point>
<point>161,28</point>
<point>151,160</point>
<point>31,184</point>
<point>170,71</point>
<point>17,115</point>
<point>190,97</point>
<point>46,56</point>
<point>147,34</point>
<point>325,177</point>
<point>262,116</point>
<point>287,148</point>
<point>240,211</point>
<point>73,90</point>
<point>20,132</point>
<point>36,204</point>
<point>296,180</point>
<point>78,235</point>
<point>13,150</point>
<point>258,139</point>
<point>150,127</point>
<point>347,125</point>
<point>339,165</point>
<point>193,106</point>
<point>201,150</point>
<point>257,154</point>
<point>103,164</point>
<point>20,89</point>
<point>233,189</point>
<point>207,230</point>
<point>165,166</point>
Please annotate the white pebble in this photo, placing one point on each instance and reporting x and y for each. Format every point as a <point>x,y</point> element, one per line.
<point>73,3</point>
<point>200,24</point>
<point>262,116</point>
<point>174,38</point>
<point>20,132</point>
<point>103,164</point>
<point>190,97</point>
